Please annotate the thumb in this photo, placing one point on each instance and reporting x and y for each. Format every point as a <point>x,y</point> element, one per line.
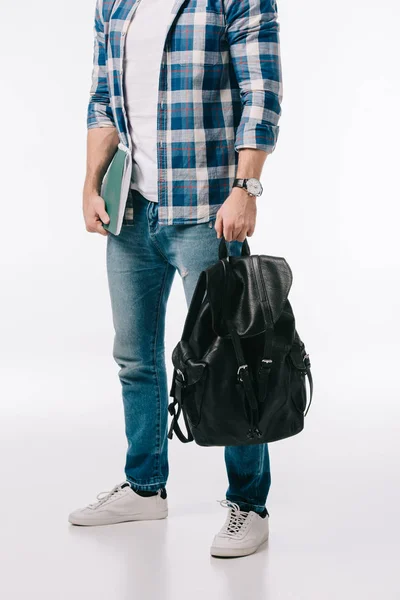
<point>101,211</point>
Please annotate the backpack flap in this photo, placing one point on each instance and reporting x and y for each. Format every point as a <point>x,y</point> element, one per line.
<point>269,278</point>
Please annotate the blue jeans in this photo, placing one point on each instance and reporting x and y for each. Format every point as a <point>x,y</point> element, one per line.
<point>141,264</point>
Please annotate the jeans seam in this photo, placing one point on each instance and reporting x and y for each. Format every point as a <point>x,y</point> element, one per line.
<point>154,352</point>
<point>260,467</point>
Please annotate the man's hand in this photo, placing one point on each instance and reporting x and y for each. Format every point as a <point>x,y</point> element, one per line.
<point>94,213</point>
<point>236,219</point>
<point>102,144</point>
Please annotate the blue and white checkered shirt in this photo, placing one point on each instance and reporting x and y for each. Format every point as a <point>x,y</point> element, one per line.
<point>220,90</point>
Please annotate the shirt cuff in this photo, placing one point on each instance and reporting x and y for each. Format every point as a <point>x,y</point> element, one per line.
<point>99,124</point>
<point>258,136</point>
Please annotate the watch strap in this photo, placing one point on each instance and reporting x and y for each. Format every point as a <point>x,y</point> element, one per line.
<point>240,183</point>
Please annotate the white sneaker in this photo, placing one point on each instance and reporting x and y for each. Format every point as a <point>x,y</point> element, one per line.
<point>242,534</point>
<point>120,505</point>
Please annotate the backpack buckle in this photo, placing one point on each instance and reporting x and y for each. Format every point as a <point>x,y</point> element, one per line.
<point>266,363</point>
<point>265,367</point>
<point>180,380</point>
<point>181,375</point>
<point>239,371</point>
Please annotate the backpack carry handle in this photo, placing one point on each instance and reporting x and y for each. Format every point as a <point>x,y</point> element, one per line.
<point>223,249</point>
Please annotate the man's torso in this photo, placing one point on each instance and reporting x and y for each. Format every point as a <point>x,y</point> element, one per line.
<point>203,116</point>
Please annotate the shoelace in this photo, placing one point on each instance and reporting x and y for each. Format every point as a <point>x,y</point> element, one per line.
<point>237,518</point>
<point>104,496</point>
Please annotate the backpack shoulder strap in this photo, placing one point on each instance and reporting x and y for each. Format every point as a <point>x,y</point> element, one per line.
<point>177,386</point>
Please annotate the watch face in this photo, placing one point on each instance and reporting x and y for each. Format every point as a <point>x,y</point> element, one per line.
<point>254,187</point>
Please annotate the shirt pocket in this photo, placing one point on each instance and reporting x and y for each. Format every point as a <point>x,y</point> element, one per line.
<point>199,35</point>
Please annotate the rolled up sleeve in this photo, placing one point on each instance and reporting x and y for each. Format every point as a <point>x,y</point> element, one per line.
<point>99,112</point>
<point>253,35</point>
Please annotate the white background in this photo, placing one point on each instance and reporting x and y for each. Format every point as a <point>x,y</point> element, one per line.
<point>330,208</point>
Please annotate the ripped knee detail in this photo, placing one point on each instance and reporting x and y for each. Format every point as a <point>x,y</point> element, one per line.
<point>183,272</point>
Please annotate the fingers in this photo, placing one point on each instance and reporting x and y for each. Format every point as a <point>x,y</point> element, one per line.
<point>235,231</point>
<point>100,229</point>
<point>219,225</point>
<point>228,231</point>
<point>251,230</point>
<point>94,225</point>
<point>234,227</point>
<point>241,236</point>
<point>91,225</point>
<point>96,215</point>
<point>238,234</point>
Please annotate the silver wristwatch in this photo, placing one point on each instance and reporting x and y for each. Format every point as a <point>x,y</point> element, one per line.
<point>252,186</point>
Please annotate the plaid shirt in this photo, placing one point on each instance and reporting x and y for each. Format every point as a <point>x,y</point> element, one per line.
<point>219,91</point>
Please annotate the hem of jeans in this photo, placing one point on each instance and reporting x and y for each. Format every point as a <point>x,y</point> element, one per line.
<point>146,487</point>
<point>247,506</point>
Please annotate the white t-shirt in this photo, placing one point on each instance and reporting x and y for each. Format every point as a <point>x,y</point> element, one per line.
<point>144,46</point>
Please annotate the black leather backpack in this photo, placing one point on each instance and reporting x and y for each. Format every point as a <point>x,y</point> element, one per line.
<point>240,368</point>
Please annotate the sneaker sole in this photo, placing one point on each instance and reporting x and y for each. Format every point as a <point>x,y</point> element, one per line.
<point>235,552</point>
<point>115,520</point>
